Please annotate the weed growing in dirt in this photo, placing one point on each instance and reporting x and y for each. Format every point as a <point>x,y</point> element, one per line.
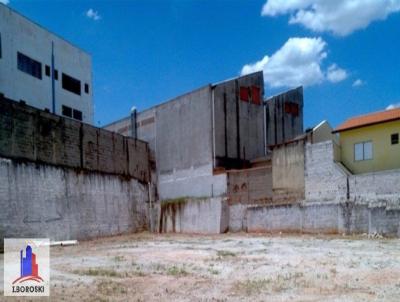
<point>99,272</point>
<point>177,271</point>
<point>226,254</point>
<point>119,258</point>
<point>108,288</point>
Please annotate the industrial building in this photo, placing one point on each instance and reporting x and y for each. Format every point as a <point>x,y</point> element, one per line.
<point>197,137</point>
<point>42,69</point>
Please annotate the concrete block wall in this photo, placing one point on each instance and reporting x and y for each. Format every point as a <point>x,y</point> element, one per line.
<point>376,187</point>
<point>324,218</point>
<point>195,215</point>
<point>324,179</point>
<point>30,134</point>
<point>40,200</point>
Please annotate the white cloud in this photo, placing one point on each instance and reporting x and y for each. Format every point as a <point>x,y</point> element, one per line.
<point>297,62</point>
<point>358,83</point>
<point>393,106</point>
<point>336,74</point>
<point>4,1</point>
<point>340,17</point>
<point>93,14</point>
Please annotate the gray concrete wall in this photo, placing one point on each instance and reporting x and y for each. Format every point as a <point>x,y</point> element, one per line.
<point>18,34</point>
<point>284,123</point>
<point>239,124</point>
<point>184,147</point>
<point>27,133</point>
<point>326,217</point>
<point>250,186</point>
<point>59,203</point>
<point>195,215</point>
<point>288,172</point>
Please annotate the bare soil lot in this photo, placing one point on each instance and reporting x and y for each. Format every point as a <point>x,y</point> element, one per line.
<point>232,267</point>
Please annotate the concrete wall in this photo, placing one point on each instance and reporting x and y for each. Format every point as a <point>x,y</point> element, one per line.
<point>27,133</point>
<point>250,186</point>
<point>288,172</point>
<point>195,215</point>
<point>18,34</point>
<point>60,203</point>
<point>239,123</point>
<point>327,217</point>
<point>283,121</point>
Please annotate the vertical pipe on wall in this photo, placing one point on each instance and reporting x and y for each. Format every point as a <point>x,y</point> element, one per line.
<point>213,123</point>
<point>134,122</point>
<point>265,128</point>
<point>53,97</point>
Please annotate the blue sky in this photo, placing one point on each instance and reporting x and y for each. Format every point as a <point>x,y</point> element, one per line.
<point>147,52</point>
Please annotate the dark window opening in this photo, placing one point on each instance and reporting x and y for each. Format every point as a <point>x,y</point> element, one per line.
<point>244,94</point>
<point>77,115</point>
<point>56,74</point>
<point>66,111</point>
<point>71,84</point>
<point>47,70</point>
<point>86,88</point>
<point>395,138</point>
<point>29,66</point>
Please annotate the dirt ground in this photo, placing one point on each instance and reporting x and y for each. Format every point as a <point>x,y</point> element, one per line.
<point>230,267</point>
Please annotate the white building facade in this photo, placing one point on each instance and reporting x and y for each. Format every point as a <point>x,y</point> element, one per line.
<point>42,69</point>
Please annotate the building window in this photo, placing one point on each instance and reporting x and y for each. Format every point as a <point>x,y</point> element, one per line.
<point>66,111</point>
<point>394,138</point>
<point>363,151</point>
<point>86,88</point>
<point>47,70</point>
<point>71,84</point>
<point>77,115</point>
<point>29,66</point>
<point>55,74</point>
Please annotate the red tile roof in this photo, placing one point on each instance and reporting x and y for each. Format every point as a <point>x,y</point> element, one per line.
<point>369,119</point>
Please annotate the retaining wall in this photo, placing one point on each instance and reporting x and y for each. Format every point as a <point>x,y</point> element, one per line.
<point>42,201</point>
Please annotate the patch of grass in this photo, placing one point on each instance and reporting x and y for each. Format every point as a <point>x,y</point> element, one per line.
<point>176,271</point>
<point>226,254</point>
<point>253,287</point>
<point>178,200</point>
<point>213,271</point>
<point>110,288</point>
<point>119,258</point>
<point>99,272</point>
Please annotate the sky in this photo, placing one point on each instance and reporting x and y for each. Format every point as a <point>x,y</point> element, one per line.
<point>346,53</point>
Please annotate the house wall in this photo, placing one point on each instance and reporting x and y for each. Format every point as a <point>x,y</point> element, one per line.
<point>385,155</point>
<point>18,34</point>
